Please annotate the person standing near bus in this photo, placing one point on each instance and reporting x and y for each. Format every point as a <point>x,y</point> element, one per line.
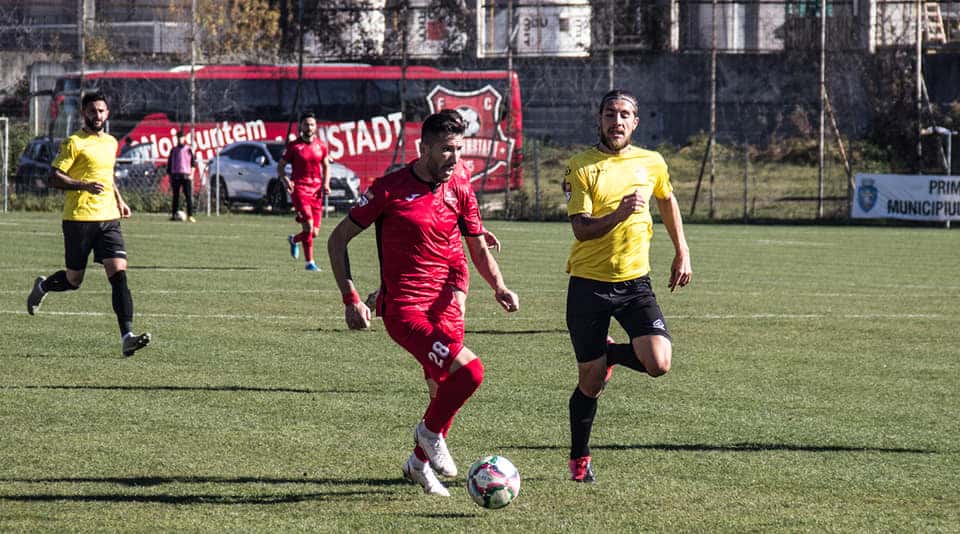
<point>607,188</point>
<point>309,181</point>
<point>180,167</point>
<point>91,212</point>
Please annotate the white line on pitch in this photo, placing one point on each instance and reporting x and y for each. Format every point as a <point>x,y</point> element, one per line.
<point>248,317</point>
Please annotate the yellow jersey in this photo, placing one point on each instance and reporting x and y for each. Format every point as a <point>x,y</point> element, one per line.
<point>89,157</point>
<point>594,183</point>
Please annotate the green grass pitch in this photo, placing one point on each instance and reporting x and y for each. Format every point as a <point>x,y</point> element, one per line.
<point>815,388</point>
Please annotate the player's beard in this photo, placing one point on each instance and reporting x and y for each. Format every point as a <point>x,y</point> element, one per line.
<point>613,145</point>
<point>439,174</point>
<point>91,125</point>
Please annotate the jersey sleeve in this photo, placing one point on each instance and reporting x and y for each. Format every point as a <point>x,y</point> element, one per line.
<point>661,185</point>
<point>369,206</point>
<point>469,221</point>
<point>576,189</point>
<point>66,156</point>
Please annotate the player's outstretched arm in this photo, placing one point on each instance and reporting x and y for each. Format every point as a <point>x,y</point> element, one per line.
<point>490,271</point>
<point>681,271</point>
<point>356,313</point>
<point>282,174</point>
<point>491,240</point>
<point>125,210</point>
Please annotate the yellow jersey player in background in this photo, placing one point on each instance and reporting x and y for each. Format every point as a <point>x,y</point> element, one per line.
<point>92,211</point>
<point>608,188</point>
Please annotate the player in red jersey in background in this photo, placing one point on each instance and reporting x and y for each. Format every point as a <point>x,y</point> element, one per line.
<point>419,213</point>
<point>308,183</point>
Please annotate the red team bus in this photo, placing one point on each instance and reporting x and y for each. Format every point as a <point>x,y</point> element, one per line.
<point>358,109</point>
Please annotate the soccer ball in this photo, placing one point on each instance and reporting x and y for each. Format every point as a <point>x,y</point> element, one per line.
<point>493,482</point>
<point>180,216</point>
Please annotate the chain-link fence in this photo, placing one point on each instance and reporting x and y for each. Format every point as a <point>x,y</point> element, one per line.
<point>763,108</point>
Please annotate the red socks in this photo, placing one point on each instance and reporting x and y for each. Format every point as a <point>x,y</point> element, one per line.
<point>307,239</point>
<point>452,394</point>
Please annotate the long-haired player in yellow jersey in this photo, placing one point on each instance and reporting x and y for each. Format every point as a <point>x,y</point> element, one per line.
<point>92,211</point>
<point>608,188</point>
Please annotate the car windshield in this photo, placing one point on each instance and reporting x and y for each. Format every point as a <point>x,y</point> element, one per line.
<point>137,153</point>
<point>276,150</point>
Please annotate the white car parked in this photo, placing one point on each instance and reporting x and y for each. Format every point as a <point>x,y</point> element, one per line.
<point>247,174</point>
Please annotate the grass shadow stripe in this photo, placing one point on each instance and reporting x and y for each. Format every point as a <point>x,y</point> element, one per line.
<point>195,498</point>
<point>739,447</point>
<point>166,268</point>
<point>190,388</point>
<point>153,481</point>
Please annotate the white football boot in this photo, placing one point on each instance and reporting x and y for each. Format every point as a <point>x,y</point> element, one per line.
<point>436,448</point>
<point>424,476</point>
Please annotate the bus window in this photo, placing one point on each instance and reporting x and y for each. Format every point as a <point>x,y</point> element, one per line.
<point>383,97</point>
<point>337,100</point>
<point>417,107</point>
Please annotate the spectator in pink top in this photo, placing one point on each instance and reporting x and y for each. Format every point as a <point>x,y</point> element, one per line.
<point>180,167</point>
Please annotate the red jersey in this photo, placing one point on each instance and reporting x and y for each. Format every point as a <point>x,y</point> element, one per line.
<point>460,278</point>
<point>306,158</point>
<point>418,228</point>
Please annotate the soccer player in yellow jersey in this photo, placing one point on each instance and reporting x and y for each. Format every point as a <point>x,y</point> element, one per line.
<point>608,188</point>
<point>92,211</point>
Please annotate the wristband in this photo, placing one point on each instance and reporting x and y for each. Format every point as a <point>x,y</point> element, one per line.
<point>352,298</point>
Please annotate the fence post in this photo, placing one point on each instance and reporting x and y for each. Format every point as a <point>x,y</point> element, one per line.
<point>6,160</point>
<point>746,181</point>
<point>536,181</point>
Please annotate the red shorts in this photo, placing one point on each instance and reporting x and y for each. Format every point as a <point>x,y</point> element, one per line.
<point>434,337</point>
<point>308,204</point>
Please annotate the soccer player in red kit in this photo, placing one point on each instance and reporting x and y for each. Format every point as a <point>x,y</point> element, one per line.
<point>308,183</point>
<point>459,276</point>
<point>420,215</point>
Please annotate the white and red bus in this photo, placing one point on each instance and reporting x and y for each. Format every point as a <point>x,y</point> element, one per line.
<point>363,111</point>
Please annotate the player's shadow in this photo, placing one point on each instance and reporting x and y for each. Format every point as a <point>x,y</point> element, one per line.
<point>516,332</point>
<point>203,498</point>
<point>192,268</point>
<point>740,447</point>
<point>230,389</point>
<point>375,328</point>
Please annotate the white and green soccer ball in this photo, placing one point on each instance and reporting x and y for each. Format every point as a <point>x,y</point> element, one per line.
<point>493,482</point>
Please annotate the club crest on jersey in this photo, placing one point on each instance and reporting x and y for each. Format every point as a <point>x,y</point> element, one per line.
<point>567,188</point>
<point>641,173</point>
<point>486,149</point>
<point>365,198</point>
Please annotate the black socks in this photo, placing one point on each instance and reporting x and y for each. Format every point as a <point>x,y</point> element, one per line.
<point>122,302</point>
<point>57,282</point>
<point>582,411</point>
<point>622,354</point>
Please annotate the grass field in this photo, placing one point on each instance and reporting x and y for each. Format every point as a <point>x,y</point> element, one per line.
<point>815,388</point>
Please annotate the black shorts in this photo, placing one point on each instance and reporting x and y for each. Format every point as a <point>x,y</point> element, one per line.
<point>102,237</point>
<point>591,304</point>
